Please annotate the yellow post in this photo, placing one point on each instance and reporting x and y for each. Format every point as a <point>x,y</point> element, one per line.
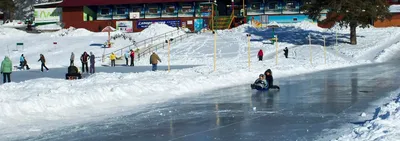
<point>276,44</point>
<point>215,51</point>
<point>324,49</point>
<point>248,50</point>
<point>169,52</point>
<point>309,38</point>
<point>244,10</point>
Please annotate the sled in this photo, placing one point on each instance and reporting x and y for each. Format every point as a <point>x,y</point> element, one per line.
<point>259,88</point>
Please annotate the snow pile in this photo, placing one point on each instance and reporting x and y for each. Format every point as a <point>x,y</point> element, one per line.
<point>10,32</point>
<point>14,24</point>
<point>49,27</point>
<point>158,29</point>
<point>304,25</point>
<point>389,53</point>
<point>72,32</point>
<point>384,126</point>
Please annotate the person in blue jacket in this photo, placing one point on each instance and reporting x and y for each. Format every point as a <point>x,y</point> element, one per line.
<point>23,62</point>
<point>127,54</point>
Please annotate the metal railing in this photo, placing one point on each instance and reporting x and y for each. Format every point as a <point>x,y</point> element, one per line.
<point>146,42</point>
<point>163,45</point>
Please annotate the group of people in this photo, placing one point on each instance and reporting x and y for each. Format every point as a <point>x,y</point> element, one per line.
<point>130,54</point>
<point>260,54</point>
<point>7,67</point>
<point>266,81</point>
<point>73,71</point>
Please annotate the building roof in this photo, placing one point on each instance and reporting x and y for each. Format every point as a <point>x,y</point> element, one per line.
<point>71,3</point>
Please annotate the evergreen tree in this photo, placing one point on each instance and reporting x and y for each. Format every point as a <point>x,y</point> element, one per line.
<point>8,7</point>
<point>349,13</point>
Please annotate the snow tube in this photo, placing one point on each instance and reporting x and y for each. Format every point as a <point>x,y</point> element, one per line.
<point>258,87</point>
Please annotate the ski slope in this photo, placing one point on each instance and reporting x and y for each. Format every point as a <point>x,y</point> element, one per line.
<point>35,106</point>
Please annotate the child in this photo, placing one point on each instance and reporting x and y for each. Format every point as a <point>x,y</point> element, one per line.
<point>270,79</point>
<point>260,83</point>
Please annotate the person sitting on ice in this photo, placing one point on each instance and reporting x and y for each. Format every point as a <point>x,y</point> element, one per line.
<point>260,83</point>
<point>270,79</point>
<point>73,73</point>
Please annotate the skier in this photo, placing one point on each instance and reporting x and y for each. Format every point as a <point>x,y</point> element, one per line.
<point>72,58</point>
<point>6,69</point>
<point>270,79</point>
<point>84,60</point>
<point>73,72</point>
<point>92,61</point>
<point>260,83</point>
<point>286,52</point>
<point>154,61</point>
<point>260,55</point>
<point>43,61</point>
<point>127,54</point>
<point>113,58</point>
<point>132,58</point>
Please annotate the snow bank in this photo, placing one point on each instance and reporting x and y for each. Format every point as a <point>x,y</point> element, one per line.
<point>10,32</point>
<point>384,126</point>
<point>72,32</point>
<point>157,29</point>
<point>389,53</point>
<point>49,27</point>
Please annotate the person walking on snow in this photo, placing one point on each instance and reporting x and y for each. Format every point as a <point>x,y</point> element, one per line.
<point>22,61</point>
<point>43,61</point>
<point>92,61</point>
<point>84,60</point>
<point>6,69</point>
<point>286,52</point>
<point>127,54</point>
<point>72,59</point>
<point>25,63</point>
<point>113,58</point>
<point>260,55</point>
<point>154,61</point>
<point>132,58</point>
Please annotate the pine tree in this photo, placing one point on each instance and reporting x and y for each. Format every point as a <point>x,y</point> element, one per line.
<point>8,8</point>
<point>349,13</point>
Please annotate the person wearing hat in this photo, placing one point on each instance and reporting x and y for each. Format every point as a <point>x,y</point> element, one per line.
<point>6,69</point>
<point>270,79</point>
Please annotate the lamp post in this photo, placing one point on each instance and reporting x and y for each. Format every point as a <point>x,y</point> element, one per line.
<point>276,44</point>
<point>324,48</point>
<point>215,51</point>
<point>169,53</point>
<point>233,7</point>
<point>248,49</point>
<point>309,39</point>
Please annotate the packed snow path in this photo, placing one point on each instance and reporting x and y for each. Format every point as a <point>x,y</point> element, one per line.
<point>306,105</point>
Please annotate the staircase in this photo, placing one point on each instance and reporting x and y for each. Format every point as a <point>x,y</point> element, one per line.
<point>223,22</point>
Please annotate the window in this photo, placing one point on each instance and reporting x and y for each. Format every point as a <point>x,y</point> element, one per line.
<point>290,5</point>
<point>187,8</point>
<point>272,5</point>
<point>169,8</point>
<point>137,9</point>
<point>153,10</point>
<point>121,11</point>
<point>105,11</point>
<point>205,8</point>
<point>256,6</point>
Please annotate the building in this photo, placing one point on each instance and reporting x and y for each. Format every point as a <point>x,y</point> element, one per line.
<point>47,12</point>
<point>135,15</point>
<point>395,10</point>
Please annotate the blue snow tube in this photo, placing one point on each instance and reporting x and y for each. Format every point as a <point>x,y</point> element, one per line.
<point>260,87</point>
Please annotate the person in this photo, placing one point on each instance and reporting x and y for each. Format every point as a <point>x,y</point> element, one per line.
<point>6,69</point>
<point>113,58</point>
<point>72,58</point>
<point>286,52</point>
<point>154,61</point>
<point>127,54</point>
<point>260,55</point>
<point>22,61</point>
<point>92,61</point>
<point>261,83</point>
<point>132,58</point>
<point>84,60</point>
<point>270,79</point>
<point>73,72</point>
<point>43,61</point>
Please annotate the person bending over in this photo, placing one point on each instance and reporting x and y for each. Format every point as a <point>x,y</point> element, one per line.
<point>73,73</point>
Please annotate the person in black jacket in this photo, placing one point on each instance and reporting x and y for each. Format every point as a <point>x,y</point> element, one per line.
<point>286,52</point>
<point>270,80</point>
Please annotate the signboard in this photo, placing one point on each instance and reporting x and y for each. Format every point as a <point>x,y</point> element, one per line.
<point>125,26</point>
<point>47,15</point>
<point>198,25</point>
<point>146,23</point>
<point>169,10</point>
<point>394,9</point>
<point>134,15</point>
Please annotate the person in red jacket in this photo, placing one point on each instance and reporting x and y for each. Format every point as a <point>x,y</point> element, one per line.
<point>132,58</point>
<point>260,55</point>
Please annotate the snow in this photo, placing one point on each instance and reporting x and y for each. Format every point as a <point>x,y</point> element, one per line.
<point>11,32</point>
<point>384,126</point>
<point>35,106</point>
